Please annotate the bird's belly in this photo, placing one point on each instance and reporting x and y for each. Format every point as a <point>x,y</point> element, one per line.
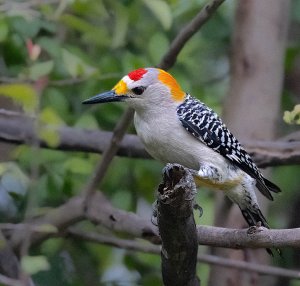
<point>166,150</point>
<point>173,144</point>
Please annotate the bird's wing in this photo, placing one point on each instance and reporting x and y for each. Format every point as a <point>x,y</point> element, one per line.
<point>204,124</point>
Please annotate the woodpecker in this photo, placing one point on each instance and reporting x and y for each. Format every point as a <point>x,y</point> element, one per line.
<point>178,128</point>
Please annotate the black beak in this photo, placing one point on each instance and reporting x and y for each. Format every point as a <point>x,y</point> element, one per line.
<point>109,96</point>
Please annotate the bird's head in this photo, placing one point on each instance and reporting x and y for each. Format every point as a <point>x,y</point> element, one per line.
<point>142,88</point>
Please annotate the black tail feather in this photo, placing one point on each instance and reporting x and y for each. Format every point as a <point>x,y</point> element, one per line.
<point>266,187</point>
<point>254,216</point>
<point>271,186</point>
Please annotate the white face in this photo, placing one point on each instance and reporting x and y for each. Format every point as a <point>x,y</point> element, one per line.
<point>145,91</point>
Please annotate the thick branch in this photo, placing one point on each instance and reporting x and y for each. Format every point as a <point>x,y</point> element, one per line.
<point>242,238</point>
<point>155,249</point>
<point>177,227</point>
<point>101,212</point>
<point>18,129</point>
<point>9,264</point>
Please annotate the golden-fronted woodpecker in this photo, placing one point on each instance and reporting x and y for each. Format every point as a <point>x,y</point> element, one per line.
<point>178,128</point>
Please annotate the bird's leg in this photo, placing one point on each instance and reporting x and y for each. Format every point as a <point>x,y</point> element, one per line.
<point>211,173</point>
<point>210,176</point>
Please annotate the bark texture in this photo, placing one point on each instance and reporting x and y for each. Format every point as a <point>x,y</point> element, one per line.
<point>177,227</point>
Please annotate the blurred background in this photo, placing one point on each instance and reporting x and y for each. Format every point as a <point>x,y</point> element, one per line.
<point>54,54</point>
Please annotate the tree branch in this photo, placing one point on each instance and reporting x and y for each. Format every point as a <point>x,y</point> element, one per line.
<point>187,32</point>
<point>101,212</point>
<point>76,233</point>
<point>177,227</point>
<point>17,128</point>
<point>243,238</point>
<point>109,152</point>
<point>4,280</point>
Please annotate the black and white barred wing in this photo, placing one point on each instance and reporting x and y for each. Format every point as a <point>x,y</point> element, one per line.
<point>203,123</point>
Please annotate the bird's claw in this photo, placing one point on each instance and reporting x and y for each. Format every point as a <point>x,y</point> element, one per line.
<point>198,208</point>
<point>255,228</point>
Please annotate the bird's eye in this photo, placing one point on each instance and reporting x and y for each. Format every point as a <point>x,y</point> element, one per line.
<point>138,90</point>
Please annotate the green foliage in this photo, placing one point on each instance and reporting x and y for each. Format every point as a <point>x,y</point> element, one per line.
<point>292,117</point>
<point>62,53</point>
<point>40,69</point>
<point>22,94</point>
<point>48,131</point>
<point>161,11</point>
<point>34,264</point>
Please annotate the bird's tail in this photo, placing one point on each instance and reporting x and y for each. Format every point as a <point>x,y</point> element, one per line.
<point>254,217</point>
<point>271,186</point>
<point>266,187</point>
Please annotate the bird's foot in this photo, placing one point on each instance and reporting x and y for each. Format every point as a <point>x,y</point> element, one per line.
<point>255,228</point>
<point>211,173</point>
<point>198,208</point>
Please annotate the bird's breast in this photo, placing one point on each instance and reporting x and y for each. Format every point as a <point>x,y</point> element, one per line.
<point>168,142</point>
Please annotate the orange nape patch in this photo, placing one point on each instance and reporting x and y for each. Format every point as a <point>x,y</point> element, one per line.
<point>168,80</point>
<point>120,88</point>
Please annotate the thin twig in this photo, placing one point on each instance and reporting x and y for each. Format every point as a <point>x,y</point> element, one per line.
<point>4,280</point>
<point>109,153</point>
<point>154,249</point>
<point>187,32</point>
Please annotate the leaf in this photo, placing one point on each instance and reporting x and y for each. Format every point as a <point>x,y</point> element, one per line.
<point>157,46</point>
<point>79,166</point>
<point>50,117</point>
<point>91,34</point>
<point>161,11</point>
<point>3,30</point>
<point>50,135</point>
<point>26,28</point>
<point>56,99</point>
<point>49,131</point>
<point>13,180</point>
<point>77,23</point>
<point>76,66</point>
<point>292,117</point>
<point>34,264</point>
<point>22,94</point>
<point>40,69</point>
<point>121,27</point>
<point>11,184</point>
<point>52,46</point>
<point>87,121</point>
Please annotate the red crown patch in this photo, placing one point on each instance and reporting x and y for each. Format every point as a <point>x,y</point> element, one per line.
<point>137,74</point>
